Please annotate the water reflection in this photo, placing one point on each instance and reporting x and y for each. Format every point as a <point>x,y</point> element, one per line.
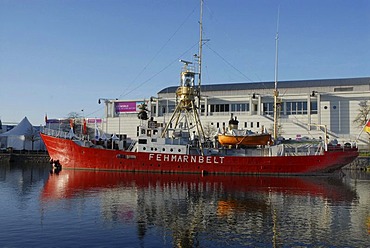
<point>195,210</point>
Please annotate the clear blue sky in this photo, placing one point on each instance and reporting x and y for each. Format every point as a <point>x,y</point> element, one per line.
<point>60,56</point>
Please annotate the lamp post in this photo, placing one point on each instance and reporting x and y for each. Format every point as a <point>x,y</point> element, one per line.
<point>106,102</point>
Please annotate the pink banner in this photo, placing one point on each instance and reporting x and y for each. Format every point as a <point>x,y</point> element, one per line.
<point>127,107</point>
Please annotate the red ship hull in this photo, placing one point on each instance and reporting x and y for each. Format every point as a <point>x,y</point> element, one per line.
<point>72,155</point>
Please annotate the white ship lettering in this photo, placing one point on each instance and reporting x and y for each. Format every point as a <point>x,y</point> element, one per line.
<point>186,158</point>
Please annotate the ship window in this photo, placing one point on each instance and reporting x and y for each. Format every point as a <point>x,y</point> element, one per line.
<point>142,131</point>
<point>144,148</point>
<point>251,124</point>
<point>171,150</point>
<point>142,141</point>
<point>154,140</point>
<point>163,149</point>
<point>179,150</point>
<point>245,124</point>
<point>258,124</point>
<point>151,148</point>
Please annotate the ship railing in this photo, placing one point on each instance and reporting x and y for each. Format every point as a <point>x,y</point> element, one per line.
<point>61,134</point>
<point>304,149</point>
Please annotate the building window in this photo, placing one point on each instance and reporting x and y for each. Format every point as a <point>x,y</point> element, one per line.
<point>304,108</point>
<point>171,108</point>
<point>343,89</point>
<point>239,107</point>
<point>220,107</point>
<point>297,108</point>
<point>268,108</point>
<point>202,109</point>
<point>313,107</point>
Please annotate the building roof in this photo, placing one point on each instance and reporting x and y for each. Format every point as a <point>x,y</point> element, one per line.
<point>281,84</point>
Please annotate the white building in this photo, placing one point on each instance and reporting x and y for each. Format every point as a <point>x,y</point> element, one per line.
<point>333,103</point>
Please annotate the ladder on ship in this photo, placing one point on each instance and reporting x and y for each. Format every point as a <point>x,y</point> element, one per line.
<point>132,145</point>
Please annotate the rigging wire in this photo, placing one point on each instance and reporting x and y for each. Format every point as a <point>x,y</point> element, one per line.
<point>150,62</point>
<point>158,52</point>
<point>227,62</point>
<point>150,78</point>
<point>159,72</point>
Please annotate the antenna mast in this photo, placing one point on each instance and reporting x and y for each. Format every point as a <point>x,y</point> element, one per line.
<point>276,92</point>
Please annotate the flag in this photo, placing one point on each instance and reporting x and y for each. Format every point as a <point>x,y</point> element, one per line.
<point>46,118</point>
<point>97,133</point>
<point>367,127</point>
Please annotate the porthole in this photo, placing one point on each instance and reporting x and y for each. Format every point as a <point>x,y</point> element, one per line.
<point>163,149</point>
<point>326,107</point>
<point>171,150</point>
<point>334,107</point>
<point>179,150</point>
<point>144,148</point>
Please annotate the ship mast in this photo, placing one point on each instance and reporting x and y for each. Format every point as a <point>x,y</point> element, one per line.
<point>277,101</point>
<point>187,93</point>
<point>200,50</point>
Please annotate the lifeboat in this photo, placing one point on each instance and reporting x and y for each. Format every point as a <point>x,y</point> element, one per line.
<point>239,137</point>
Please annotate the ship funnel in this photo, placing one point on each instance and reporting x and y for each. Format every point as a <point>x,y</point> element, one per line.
<point>233,123</point>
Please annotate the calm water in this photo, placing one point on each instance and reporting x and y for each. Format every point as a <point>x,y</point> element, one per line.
<point>100,209</point>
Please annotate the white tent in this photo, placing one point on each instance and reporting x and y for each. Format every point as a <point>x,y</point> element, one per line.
<point>22,137</point>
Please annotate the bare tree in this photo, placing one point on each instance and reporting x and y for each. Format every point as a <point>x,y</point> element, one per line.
<point>74,115</point>
<point>210,131</point>
<point>363,114</point>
